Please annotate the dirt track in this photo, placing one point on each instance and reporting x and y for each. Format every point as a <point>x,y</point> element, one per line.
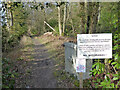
<point>40,63</point>
<point>42,68</point>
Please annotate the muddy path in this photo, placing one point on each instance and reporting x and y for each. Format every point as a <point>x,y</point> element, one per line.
<point>42,68</point>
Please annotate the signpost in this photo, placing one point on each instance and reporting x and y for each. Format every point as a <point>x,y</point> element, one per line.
<point>81,67</point>
<point>92,46</point>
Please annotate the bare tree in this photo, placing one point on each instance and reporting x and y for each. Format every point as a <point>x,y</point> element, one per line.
<point>64,19</point>
<point>92,18</point>
<point>82,16</point>
<point>59,19</point>
<point>70,17</point>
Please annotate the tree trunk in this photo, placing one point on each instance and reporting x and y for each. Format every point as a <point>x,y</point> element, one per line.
<point>64,19</point>
<point>89,12</point>
<point>94,17</point>
<point>44,20</point>
<point>99,11</point>
<point>8,22</point>
<point>11,16</point>
<point>70,17</point>
<point>82,17</point>
<point>59,21</point>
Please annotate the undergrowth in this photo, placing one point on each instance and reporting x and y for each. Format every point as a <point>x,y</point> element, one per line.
<point>9,73</point>
<point>13,64</point>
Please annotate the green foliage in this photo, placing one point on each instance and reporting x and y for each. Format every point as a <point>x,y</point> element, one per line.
<point>11,34</point>
<point>8,75</point>
<point>105,75</point>
<point>34,32</point>
<point>107,84</point>
<point>108,17</point>
<point>53,22</point>
<point>104,79</point>
<point>109,73</point>
<point>98,68</point>
<point>76,83</point>
<point>68,30</point>
<point>57,30</point>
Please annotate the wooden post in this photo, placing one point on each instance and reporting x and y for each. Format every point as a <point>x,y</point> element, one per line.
<point>81,80</point>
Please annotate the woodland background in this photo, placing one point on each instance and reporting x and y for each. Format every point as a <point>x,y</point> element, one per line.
<point>65,19</point>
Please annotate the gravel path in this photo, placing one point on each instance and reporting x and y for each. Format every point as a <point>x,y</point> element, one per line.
<point>41,68</point>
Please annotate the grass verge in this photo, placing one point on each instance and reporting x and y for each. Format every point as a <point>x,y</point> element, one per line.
<point>14,64</point>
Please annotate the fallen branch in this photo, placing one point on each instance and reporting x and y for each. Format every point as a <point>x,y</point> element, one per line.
<point>49,26</point>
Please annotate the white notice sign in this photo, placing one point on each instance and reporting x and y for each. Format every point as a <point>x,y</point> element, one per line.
<point>94,46</point>
<point>80,65</point>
